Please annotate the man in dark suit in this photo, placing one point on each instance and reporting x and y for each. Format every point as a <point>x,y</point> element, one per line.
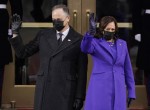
<point>5,47</point>
<point>141,25</point>
<point>61,80</point>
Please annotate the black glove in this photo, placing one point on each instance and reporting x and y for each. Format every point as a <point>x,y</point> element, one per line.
<point>92,24</point>
<point>16,23</point>
<point>129,101</point>
<point>78,104</point>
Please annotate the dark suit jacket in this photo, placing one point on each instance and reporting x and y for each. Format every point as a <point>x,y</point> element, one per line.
<point>5,48</point>
<point>62,73</point>
<point>141,23</point>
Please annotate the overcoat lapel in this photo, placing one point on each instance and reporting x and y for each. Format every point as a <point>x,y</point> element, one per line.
<point>119,47</point>
<point>105,45</point>
<point>69,40</point>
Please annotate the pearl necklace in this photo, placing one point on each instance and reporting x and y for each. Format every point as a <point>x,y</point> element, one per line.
<point>111,44</point>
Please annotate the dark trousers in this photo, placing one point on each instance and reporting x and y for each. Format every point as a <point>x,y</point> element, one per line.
<point>1,81</point>
<point>147,84</point>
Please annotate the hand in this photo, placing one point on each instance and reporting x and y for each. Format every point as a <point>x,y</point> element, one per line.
<point>78,104</point>
<point>92,24</point>
<point>129,101</point>
<point>16,23</point>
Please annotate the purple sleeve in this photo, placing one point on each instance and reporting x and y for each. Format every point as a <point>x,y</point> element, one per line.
<point>129,78</point>
<point>87,44</point>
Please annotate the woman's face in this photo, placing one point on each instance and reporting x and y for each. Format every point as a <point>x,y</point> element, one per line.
<point>110,27</point>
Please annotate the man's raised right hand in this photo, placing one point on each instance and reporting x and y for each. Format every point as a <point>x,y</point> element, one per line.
<point>16,23</point>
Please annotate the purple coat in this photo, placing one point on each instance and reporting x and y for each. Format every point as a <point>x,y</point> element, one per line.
<point>108,81</point>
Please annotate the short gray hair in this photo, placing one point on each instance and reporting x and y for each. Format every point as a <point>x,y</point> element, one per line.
<point>61,6</point>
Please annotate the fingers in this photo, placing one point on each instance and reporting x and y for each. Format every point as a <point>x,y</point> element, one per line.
<point>16,23</point>
<point>92,24</point>
<point>74,105</point>
<point>96,19</point>
<point>129,101</point>
<point>93,19</point>
<point>78,104</point>
<point>91,16</point>
<point>16,18</point>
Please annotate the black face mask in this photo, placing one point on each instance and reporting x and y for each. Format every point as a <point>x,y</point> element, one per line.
<point>58,25</point>
<point>108,35</point>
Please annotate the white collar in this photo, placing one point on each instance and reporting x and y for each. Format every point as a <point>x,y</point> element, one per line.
<point>65,33</point>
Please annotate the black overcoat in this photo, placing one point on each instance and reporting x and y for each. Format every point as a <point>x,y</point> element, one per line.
<point>141,25</point>
<point>63,69</point>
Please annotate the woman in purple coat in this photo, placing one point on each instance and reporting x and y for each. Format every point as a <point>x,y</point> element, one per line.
<point>112,71</point>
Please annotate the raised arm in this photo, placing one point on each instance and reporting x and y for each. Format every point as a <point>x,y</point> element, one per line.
<point>21,50</point>
<point>87,45</point>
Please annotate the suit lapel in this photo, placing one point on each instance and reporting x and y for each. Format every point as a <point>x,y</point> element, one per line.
<point>69,40</point>
<point>105,45</point>
<point>119,47</point>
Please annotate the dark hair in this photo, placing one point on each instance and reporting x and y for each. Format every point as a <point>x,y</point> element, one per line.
<point>104,22</point>
<point>64,7</point>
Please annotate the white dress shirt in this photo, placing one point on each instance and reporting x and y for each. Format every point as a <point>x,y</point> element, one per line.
<point>65,33</point>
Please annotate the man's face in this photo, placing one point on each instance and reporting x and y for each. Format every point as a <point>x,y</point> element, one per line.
<point>59,14</point>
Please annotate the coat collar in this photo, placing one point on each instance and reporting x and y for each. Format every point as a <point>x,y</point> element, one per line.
<point>69,40</point>
<point>105,45</point>
<point>119,46</point>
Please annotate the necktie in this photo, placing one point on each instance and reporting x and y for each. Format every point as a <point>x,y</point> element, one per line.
<point>60,38</point>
